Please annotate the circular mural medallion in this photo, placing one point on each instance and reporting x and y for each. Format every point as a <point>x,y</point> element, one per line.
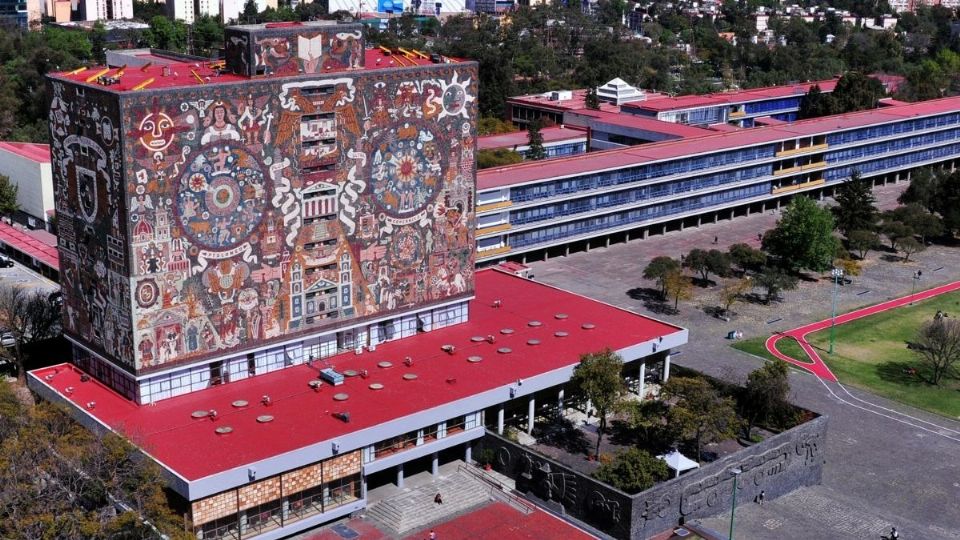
<point>408,167</point>
<point>221,198</point>
<point>454,98</point>
<point>147,293</point>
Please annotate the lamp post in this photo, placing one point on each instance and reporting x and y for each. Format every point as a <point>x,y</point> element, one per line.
<point>837,274</point>
<point>733,503</point>
<point>916,277</point>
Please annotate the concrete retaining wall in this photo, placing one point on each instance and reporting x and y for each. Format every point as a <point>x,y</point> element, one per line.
<point>778,465</point>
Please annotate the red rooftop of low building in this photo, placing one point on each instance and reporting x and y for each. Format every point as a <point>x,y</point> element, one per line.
<point>39,153</point>
<point>513,139</point>
<point>302,417</point>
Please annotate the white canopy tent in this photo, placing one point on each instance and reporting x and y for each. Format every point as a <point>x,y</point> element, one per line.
<point>678,462</point>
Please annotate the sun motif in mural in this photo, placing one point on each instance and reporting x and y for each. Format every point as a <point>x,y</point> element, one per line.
<point>408,167</point>
<point>455,97</point>
<point>221,198</point>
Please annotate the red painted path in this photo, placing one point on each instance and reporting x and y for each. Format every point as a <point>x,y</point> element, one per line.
<point>815,364</point>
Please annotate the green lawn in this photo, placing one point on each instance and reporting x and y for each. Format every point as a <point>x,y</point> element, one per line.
<point>756,346</point>
<point>871,353</point>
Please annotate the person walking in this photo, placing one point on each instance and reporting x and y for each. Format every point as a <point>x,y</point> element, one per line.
<point>894,535</point>
<point>433,536</point>
<point>760,497</point>
<point>437,498</point>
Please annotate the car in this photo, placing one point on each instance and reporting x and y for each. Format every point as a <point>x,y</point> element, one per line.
<point>5,262</point>
<point>8,340</point>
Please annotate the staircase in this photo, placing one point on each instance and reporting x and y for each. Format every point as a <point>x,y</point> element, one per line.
<point>415,509</point>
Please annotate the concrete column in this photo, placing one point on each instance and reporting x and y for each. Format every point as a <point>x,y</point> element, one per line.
<point>646,232</point>
<point>468,453</point>
<point>715,214</point>
<point>435,464</point>
<point>681,225</point>
<point>607,241</point>
<point>566,250</point>
<point>699,221</point>
<point>400,475</point>
<point>531,406</point>
<point>643,375</point>
<point>560,401</point>
<point>666,367</point>
<point>664,229</point>
<point>363,487</point>
<point>500,420</point>
<point>748,209</point>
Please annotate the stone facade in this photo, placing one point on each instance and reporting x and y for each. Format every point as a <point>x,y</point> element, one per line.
<point>778,465</point>
<point>341,466</point>
<point>274,488</point>
<point>215,507</point>
<point>259,493</point>
<point>303,478</point>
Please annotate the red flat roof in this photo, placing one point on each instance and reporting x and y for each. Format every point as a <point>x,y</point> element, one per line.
<point>303,417</point>
<point>723,98</point>
<point>32,151</point>
<point>182,73</point>
<point>645,123</point>
<point>520,138</point>
<point>36,246</point>
<point>635,155</point>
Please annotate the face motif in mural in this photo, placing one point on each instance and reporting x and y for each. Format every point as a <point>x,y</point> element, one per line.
<point>221,197</point>
<point>156,131</point>
<point>408,169</point>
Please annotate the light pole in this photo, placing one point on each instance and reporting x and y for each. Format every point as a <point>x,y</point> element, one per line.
<point>916,277</point>
<point>837,274</point>
<point>733,503</point>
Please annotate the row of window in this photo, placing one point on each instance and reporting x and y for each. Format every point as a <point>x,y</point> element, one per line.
<point>874,132</point>
<point>619,219</point>
<point>634,174</point>
<point>894,162</point>
<point>892,146</point>
<point>772,105</point>
<point>418,437</point>
<point>638,194</point>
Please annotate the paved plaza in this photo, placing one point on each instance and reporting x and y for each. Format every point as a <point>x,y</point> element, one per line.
<point>886,464</point>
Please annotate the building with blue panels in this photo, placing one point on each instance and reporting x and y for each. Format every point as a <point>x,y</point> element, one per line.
<point>550,207</point>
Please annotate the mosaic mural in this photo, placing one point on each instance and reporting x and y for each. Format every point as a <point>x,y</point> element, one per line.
<point>269,209</point>
<point>90,197</point>
<point>311,49</point>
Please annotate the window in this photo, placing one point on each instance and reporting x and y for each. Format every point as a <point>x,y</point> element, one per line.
<point>341,491</point>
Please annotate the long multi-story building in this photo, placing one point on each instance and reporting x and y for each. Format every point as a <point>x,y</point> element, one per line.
<point>547,207</point>
<point>268,277</point>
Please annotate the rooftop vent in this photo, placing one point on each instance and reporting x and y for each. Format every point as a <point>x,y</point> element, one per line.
<point>344,416</point>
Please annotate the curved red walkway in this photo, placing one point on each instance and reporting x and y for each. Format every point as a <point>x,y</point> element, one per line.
<point>815,364</point>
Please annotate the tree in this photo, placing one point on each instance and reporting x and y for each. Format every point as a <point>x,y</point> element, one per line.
<point>918,219</point>
<point>774,280</point>
<point>910,245</point>
<point>803,237</point>
<point>862,242</point>
<point>923,188</point>
<point>746,257</point>
<point>856,209</point>
<point>598,378</point>
<point>165,33</point>
<point>678,287</point>
<point>733,292</point>
<point>895,231</point>
<point>659,268</point>
<point>646,419</point>
<point>31,317</point>
<point>633,470</point>
<point>815,104</point>
<point>250,13</point>
<point>938,346</point>
<point>490,125</point>
<point>702,415</point>
<point>764,397</point>
<point>592,100</point>
<point>536,151</point>
<point>856,92</point>
<point>706,262</point>
<point>497,158</point>
<point>850,267</point>
<point>8,196</point>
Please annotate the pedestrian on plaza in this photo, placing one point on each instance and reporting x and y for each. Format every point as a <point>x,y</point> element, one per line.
<point>894,535</point>
<point>759,237</point>
<point>716,240</point>
<point>433,535</point>
<point>437,498</point>
<point>760,497</point>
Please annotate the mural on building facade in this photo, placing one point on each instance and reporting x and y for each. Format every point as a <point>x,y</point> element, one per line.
<point>313,49</point>
<point>274,208</point>
<point>90,199</point>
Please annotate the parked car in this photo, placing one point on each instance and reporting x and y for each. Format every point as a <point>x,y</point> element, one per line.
<point>8,339</point>
<point>5,262</point>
